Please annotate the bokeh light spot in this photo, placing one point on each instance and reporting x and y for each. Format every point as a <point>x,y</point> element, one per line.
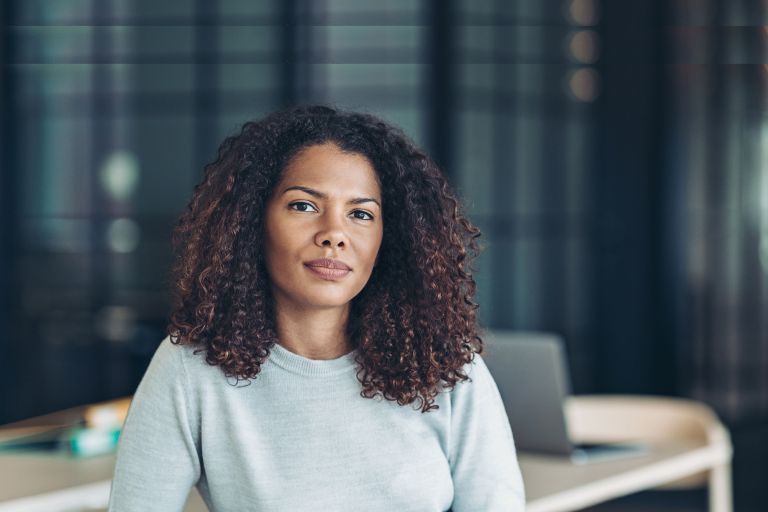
<point>120,175</point>
<point>584,46</point>
<point>123,235</point>
<point>584,12</point>
<point>584,84</point>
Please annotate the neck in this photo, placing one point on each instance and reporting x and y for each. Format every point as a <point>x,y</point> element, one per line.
<point>313,333</point>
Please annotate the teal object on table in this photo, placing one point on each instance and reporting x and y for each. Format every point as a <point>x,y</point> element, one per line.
<point>87,442</point>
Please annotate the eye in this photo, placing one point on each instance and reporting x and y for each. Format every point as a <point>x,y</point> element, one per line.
<point>369,216</point>
<point>301,206</point>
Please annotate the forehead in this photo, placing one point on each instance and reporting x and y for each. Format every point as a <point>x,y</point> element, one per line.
<point>327,167</point>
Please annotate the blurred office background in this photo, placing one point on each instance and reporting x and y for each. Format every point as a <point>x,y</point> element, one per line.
<point>614,154</point>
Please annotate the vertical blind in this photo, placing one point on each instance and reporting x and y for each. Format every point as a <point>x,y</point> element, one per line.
<point>718,203</point>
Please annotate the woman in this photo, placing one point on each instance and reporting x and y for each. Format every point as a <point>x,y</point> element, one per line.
<point>323,350</point>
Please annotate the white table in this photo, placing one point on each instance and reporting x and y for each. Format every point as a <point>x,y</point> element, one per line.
<point>56,483</point>
<point>556,485</point>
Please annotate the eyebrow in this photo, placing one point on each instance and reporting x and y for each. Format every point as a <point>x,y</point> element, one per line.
<point>322,195</point>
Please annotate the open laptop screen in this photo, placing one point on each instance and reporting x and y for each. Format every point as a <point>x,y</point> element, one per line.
<point>532,377</point>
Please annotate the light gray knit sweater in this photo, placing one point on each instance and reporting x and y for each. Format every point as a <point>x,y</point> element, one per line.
<point>300,437</point>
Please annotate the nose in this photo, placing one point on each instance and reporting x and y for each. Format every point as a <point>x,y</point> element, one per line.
<point>331,234</point>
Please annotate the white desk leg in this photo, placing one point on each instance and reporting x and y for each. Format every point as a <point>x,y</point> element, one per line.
<point>720,499</point>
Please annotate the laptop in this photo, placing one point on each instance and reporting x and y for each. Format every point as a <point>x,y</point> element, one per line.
<point>531,373</point>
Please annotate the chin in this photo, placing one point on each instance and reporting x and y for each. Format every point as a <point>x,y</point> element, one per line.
<point>327,301</point>
<point>326,305</point>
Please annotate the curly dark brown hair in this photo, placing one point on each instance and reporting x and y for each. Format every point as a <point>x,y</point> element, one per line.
<point>414,325</point>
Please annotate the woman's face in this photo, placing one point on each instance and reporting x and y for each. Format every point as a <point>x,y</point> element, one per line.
<point>327,206</point>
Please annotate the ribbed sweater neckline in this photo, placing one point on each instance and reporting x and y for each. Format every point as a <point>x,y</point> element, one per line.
<point>301,365</point>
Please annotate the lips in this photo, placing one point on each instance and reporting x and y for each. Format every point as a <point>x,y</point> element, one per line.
<point>328,263</point>
<point>328,269</point>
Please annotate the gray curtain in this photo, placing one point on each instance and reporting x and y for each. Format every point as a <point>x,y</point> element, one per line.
<point>718,203</point>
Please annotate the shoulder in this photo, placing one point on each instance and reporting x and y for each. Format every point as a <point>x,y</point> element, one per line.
<point>478,366</point>
<point>179,360</point>
<point>478,373</point>
<point>169,354</point>
<point>478,388</point>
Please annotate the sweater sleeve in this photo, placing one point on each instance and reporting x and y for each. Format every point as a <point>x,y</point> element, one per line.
<point>484,467</point>
<point>157,458</point>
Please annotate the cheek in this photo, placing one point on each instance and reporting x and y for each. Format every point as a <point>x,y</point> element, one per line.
<point>276,234</point>
<point>274,246</point>
<point>373,250</point>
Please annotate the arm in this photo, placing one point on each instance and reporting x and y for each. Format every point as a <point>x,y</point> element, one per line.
<point>486,475</point>
<point>157,458</point>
